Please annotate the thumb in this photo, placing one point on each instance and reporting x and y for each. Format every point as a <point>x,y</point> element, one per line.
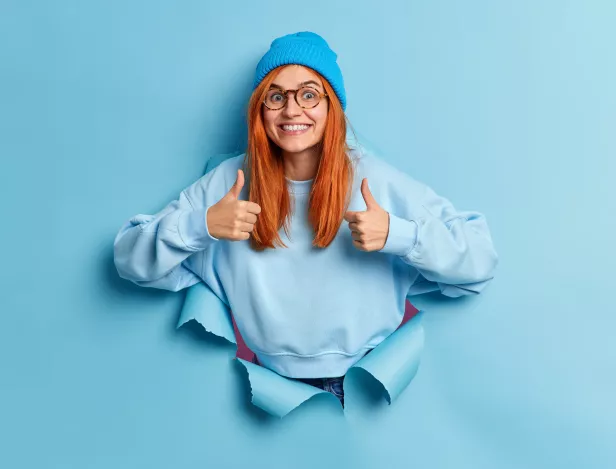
<point>368,198</point>
<point>236,189</point>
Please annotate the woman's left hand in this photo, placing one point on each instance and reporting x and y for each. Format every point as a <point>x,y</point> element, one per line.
<point>369,228</point>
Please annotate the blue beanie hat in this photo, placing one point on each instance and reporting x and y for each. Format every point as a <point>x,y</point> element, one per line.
<point>303,48</point>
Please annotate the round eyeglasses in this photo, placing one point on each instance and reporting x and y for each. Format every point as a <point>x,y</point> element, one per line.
<point>306,97</point>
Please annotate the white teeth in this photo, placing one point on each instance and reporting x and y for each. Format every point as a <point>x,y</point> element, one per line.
<point>295,127</point>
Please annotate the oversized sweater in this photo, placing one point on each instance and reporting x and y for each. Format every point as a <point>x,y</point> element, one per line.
<point>313,312</point>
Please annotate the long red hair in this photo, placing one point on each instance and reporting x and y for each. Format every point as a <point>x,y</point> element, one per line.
<point>263,165</point>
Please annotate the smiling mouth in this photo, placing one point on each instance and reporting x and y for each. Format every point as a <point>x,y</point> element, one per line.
<point>294,129</point>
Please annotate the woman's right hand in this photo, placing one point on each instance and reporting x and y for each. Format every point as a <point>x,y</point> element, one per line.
<point>230,218</point>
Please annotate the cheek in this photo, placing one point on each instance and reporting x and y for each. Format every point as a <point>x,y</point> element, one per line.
<point>269,123</point>
<point>319,117</point>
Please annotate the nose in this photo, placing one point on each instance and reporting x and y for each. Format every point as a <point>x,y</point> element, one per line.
<point>291,108</point>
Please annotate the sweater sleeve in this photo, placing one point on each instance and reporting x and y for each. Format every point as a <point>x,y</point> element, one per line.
<point>150,250</point>
<point>452,250</point>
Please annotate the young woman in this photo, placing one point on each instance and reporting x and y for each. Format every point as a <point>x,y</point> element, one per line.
<point>313,245</point>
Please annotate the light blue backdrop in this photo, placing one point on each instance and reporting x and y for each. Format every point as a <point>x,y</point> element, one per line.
<point>110,108</point>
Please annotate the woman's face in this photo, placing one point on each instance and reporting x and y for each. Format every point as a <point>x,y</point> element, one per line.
<point>293,77</point>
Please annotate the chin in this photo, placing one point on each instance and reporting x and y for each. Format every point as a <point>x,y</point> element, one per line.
<point>294,147</point>
<point>294,144</point>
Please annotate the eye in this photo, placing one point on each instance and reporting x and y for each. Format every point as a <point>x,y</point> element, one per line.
<point>276,97</point>
<point>309,94</point>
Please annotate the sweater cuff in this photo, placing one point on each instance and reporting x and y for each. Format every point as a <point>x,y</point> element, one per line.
<point>192,228</point>
<point>402,236</point>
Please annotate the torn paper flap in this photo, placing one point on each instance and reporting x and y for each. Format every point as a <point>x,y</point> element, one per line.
<point>393,363</point>
<point>276,394</point>
<point>202,305</point>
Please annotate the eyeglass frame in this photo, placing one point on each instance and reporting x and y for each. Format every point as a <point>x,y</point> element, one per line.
<point>286,97</point>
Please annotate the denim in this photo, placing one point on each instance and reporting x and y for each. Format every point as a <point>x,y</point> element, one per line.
<point>332,385</point>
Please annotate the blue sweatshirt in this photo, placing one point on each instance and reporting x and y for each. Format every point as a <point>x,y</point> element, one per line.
<point>309,312</point>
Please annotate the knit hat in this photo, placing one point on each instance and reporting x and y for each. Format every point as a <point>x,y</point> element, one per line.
<point>303,48</point>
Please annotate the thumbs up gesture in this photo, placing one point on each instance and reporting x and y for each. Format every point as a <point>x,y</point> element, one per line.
<point>231,218</point>
<point>369,228</point>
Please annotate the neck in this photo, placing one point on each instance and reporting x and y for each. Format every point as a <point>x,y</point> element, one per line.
<point>302,165</point>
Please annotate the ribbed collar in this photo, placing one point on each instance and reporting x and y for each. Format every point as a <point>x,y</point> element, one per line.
<point>299,187</point>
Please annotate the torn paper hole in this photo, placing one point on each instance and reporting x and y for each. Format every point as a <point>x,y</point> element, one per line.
<point>393,363</point>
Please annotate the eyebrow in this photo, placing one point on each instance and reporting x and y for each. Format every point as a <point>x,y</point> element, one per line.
<point>303,83</point>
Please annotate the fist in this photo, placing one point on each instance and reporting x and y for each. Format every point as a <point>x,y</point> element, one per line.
<point>230,218</point>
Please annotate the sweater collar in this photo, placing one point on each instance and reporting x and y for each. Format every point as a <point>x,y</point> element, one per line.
<point>299,187</point>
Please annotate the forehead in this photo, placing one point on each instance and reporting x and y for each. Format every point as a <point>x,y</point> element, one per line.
<point>292,75</point>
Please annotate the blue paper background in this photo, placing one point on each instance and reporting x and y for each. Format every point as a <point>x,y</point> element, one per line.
<point>110,108</point>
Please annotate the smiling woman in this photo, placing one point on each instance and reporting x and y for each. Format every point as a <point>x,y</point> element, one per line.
<point>290,136</point>
<point>310,294</point>
<point>286,118</point>
<point>303,116</point>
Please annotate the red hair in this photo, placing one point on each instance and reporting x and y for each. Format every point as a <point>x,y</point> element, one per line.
<point>330,193</point>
